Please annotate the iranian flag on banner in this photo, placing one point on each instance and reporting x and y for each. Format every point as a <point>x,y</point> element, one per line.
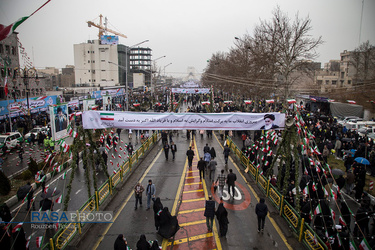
<point>364,245</point>
<point>318,210</point>
<point>351,102</point>
<point>75,134</point>
<point>28,242</point>
<point>69,130</point>
<point>39,241</point>
<point>17,228</point>
<point>107,116</point>
<point>270,101</point>
<point>290,101</point>
<point>59,199</point>
<point>66,148</point>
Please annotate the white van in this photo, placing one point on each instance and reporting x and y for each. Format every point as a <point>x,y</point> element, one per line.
<point>10,140</point>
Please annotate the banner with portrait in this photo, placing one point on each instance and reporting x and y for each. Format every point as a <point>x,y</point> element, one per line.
<point>191,90</point>
<point>88,104</point>
<point>180,121</point>
<point>59,121</point>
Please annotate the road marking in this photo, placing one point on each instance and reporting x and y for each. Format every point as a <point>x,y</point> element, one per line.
<point>192,223</point>
<point>79,190</point>
<point>193,200</point>
<point>193,191</point>
<point>192,171</point>
<point>192,177</point>
<point>193,238</point>
<point>126,201</point>
<point>278,230</point>
<point>191,211</point>
<point>194,183</point>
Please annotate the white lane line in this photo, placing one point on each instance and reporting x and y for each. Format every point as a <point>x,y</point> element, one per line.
<point>79,190</point>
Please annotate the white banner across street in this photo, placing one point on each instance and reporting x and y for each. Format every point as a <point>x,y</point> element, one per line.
<point>180,121</point>
<point>191,90</point>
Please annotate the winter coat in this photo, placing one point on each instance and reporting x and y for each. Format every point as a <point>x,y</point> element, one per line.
<point>261,208</point>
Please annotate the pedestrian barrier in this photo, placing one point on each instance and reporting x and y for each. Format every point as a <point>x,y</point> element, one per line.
<point>68,231</point>
<point>310,239</point>
<point>103,192</point>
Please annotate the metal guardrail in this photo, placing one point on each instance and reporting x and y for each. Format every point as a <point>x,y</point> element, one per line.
<point>62,238</point>
<point>310,239</point>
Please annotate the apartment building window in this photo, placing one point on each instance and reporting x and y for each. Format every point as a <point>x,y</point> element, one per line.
<point>94,80</point>
<point>327,82</point>
<point>13,50</point>
<point>89,71</point>
<point>93,71</point>
<point>103,60</point>
<point>342,74</point>
<point>349,81</point>
<point>103,69</point>
<point>93,61</point>
<point>104,80</point>
<point>341,83</point>
<point>1,49</point>
<point>320,82</point>
<point>92,52</point>
<point>89,80</point>
<point>88,51</point>
<point>88,61</point>
<point>334,82</point>
<point>7,49</point>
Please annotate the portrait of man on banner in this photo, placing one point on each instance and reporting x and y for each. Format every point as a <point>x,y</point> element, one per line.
<point>269,122</point>
<point>61,119</point>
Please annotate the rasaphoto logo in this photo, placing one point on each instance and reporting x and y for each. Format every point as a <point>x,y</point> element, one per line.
<point>71,217</point>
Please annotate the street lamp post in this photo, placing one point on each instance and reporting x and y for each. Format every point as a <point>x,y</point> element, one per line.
<point>126,71</point>
<point>26,74</point>
<point>165,67</point>
<point>151,72</point>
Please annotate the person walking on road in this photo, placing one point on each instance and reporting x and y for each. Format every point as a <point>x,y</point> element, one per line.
<point>201,166</point>
<point>120,243</point>
<point>226,154</point>
<point>190,155</point>
<point>231,179</point>
<point>157,207</point>
<point>212,152</point>
<point>166,150</point>
<point>138,190</point>
<point>261,211</point>
<point>206,149</point>
<point>173,149</point>
<point>221,182</point>
<point>209,213</point>
<point>207,159</point>
<point>20,153</point>
<point>130,148</point>
<point>222,216</point>
<point>142,243</point>
<point>150,192</point>
<point>212,167</point>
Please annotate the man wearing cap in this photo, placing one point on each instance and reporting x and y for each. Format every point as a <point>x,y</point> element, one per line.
<point>268,120</point>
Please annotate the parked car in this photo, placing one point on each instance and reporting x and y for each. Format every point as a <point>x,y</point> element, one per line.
<point>35,131</point>
<point>10,140</point>
<point>350,119</point>
<point>369,129</point>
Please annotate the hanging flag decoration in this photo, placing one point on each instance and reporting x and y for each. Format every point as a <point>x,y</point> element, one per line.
<point>39,241</point>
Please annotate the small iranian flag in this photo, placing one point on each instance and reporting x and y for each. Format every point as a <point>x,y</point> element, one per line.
<point>318,210</point>
<point>313,187</point>
<point>113,156</point>
<point>342,221</point>
<point>28,242</point>
<point>333,214</point>
<point>69,130</point>
<point>48,158</point>
<point>17,228</point>
<point>115,150</point>
<point>114,171</point>
<point>270,101</point>
<point>70,155</point>
<point>39,241</point>
<point>66,147</point>
<point>306,172</point>
<point>364,245</point>
<point>351,101</point>
<point>119,156</point>
<point>59,199</point>
<point>63,177</point>
<point>107,146</point>
<point>107,116</point>
<point>290,101</point>
<point>75,134</point>
<point>306,190</point>
<point>122,141</point>
<point>121,148</point>
<point>110,161</point>
<point>351,245</point>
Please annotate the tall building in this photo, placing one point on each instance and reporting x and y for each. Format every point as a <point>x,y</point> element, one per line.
<point>140,64</point>
<point>104,65</point>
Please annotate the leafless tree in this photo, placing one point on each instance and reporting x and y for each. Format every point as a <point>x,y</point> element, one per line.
<point>363,60</point>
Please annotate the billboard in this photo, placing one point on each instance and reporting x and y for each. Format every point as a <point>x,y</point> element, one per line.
<point>88,104</point>
<point>109,40</point>
<point>59,121</point>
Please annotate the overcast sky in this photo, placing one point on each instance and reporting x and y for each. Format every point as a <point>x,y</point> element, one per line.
<point>187,32</point>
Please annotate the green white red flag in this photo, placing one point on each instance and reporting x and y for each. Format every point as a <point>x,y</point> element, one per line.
<point>39,241</point>
<point>59,199</point>
<point>364,245</point>
<point>17,227</point>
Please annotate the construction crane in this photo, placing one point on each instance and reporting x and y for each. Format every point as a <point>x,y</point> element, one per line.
<point>103,28</point>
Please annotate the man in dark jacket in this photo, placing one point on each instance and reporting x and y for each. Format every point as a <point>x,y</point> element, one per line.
<point>201,166</point>
<point>231,178</point>
<point>206,149</point>
<point>190,155</point>
<point>173,149</point>
<point>209,213</point>
<point>226,154</point>
<point>261,211</point>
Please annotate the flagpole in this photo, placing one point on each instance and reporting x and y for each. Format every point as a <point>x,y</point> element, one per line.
<point>10,119</point>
